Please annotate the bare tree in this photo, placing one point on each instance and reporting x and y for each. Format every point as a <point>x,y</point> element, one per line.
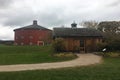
<point>89,24</point>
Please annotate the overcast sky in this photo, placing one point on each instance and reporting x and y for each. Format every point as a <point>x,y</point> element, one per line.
<point>53,13</point>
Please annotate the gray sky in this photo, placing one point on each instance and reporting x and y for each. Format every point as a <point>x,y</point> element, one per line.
<point>53,13</point>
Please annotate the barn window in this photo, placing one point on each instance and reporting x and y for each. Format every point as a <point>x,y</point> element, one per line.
<point>40,37</point>
<point>22,37</point>
<point>31,37</point>
<point>30,43</point>
<point>82,43</point>
<point>22,43</point>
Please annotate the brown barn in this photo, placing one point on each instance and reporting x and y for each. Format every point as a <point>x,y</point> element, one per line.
<point>78,39</point>
<point>32,35</point>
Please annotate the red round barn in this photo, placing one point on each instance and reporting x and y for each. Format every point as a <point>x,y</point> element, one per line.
<point>32,35</point>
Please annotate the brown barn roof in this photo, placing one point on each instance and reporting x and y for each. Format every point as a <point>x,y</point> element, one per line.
<point>33,26</point>
<point>76,32</point>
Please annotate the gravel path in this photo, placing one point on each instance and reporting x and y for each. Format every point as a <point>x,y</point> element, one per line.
<point>82,60</point>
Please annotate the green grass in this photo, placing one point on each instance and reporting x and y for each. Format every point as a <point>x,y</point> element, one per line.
<point>108,70</point>
<point>28,54</point>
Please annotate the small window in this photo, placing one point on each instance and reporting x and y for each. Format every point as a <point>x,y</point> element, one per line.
<point>82,43</point>
<point>22,43</point>
<point>22,37</point>
<point>31,37</point>
<point>40,37</point>
<point>30,43</point>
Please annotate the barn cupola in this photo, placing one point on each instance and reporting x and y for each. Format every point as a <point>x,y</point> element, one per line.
<point>35,22</point>
<point>74,25</point>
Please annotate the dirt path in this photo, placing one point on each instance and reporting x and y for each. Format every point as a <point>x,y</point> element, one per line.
<point>82,60</point>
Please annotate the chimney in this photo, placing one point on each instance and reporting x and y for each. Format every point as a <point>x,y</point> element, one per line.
<point>74,25</point>
<point>35,22</point>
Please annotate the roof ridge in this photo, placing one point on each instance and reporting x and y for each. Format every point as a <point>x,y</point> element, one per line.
<point>33,27</point>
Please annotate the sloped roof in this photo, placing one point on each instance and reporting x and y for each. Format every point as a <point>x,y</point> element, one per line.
<point>76,32</point>
<point>33,26</point>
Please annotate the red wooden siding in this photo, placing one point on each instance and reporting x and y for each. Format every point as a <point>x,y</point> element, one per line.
<point>30,37</point>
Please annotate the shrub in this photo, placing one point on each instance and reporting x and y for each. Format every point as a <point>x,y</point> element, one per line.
<point>58,45</point>
<point>114,45</point>
<point>113,41</point>
<point>101,46</point>
<point>112,54</point>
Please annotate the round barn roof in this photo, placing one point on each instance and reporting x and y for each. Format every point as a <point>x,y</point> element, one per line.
<point>33,26</point>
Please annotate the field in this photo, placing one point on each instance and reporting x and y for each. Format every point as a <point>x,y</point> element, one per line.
<point>28,54</point>
<point>108,70</point>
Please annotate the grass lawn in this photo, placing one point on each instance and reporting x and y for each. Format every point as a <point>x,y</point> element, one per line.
<point>108,70</point>
<point>28,54</point>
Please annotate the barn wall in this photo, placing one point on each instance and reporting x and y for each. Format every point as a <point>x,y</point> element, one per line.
<point>30,37</point>
<point>90,44</point>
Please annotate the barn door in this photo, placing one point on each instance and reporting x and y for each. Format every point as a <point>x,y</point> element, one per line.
<point>82,45</point>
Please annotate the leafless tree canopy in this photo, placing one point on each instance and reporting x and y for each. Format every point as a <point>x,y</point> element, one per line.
<point>89,24</point>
